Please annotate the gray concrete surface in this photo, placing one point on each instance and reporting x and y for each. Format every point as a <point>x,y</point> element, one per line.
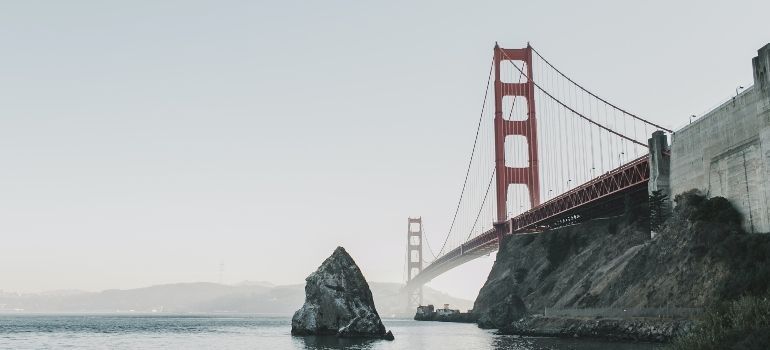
<point>727,151</point>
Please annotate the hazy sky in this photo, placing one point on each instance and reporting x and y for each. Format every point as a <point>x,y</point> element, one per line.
<point>145,142</point>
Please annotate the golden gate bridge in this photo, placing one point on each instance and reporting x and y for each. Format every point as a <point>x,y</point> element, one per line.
<point>547,152</point>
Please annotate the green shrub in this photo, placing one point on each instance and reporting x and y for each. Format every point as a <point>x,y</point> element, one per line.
<point>697,208</point>
<point>658,209</point>
<point>717,234</point>
<point>741,324</point>
<point>717,209</point>
<point>688,202</point>
<point>748,259</point>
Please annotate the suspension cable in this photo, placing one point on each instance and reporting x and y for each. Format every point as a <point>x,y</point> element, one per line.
<point>555,99</point>
<point>470,162</point>
<point>483,201</point>
<point>594,95</point>
<point>427,243</point>
<point>572,110</point>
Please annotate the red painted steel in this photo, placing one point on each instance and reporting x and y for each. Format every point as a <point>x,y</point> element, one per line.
<point>505,176</point>
<point>627,178</point>
<point>414,263</point>
<point>414,245</point>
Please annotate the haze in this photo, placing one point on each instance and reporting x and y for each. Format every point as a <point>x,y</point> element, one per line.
<point>149,142</point>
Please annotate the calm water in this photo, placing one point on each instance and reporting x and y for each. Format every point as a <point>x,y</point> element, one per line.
<point>250,332</point>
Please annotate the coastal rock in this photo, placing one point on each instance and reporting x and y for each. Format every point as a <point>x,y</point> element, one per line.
<point>647,330</point>
<point>338,302</point>
<point>500,304</point>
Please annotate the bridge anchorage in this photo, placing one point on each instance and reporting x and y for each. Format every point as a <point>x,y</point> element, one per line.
<point>555,153</point>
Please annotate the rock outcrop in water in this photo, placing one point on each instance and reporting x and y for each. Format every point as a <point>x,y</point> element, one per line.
<point>338,302</point>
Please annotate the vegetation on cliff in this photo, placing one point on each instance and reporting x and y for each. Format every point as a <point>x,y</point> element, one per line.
<point>718,237</point>
<point>742,324</point>
<point>740,316</point>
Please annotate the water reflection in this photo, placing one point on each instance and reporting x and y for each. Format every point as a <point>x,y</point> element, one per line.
<point>330,342</point>
<point>249,332</point>
<point>498,342</point>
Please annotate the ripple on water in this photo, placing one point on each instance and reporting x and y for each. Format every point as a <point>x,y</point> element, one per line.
<point>252,332</point>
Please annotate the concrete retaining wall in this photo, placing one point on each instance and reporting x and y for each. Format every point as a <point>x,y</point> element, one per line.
<point>727,151</point>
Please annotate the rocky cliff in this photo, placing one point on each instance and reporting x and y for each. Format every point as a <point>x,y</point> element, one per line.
<point>700,256</point>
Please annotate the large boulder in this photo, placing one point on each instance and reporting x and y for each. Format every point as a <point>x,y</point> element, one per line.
<point>338,302</point>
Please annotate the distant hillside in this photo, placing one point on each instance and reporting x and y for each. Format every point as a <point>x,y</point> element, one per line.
<point>202,297</point>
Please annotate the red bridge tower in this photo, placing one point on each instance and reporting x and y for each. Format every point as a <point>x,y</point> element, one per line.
<point>414,261</point>
<point>505,176</point>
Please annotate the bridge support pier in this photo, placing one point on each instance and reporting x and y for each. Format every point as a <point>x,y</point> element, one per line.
<point>660,169</point>
<point>414,261</point>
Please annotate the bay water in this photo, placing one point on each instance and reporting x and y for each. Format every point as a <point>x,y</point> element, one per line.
<point>154,331</point>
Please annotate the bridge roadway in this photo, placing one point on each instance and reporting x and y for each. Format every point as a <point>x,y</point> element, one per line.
<point>601,196</point>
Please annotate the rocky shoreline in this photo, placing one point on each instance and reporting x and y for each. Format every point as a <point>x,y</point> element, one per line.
<point>641,330</point>
<point>590,273</point>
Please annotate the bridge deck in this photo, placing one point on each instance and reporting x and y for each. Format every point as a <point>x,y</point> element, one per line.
<point>561,210</point>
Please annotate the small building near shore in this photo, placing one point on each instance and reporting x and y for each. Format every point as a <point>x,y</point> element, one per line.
<point>446,311</point>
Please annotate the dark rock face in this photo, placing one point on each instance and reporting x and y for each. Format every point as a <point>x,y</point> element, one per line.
<point>499,303</point>
<point>612,264</point>
<point>338,302</point>
<point>649,330</point>
<point>603,263</point>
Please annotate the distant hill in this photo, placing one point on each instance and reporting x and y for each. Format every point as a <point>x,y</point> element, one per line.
<point>203,297</point>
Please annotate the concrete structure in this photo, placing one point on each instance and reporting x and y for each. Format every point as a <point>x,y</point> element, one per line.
<point>727,151</point>
<point>660,164</point>
<point>660,168</point>
<point>446,311</point>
